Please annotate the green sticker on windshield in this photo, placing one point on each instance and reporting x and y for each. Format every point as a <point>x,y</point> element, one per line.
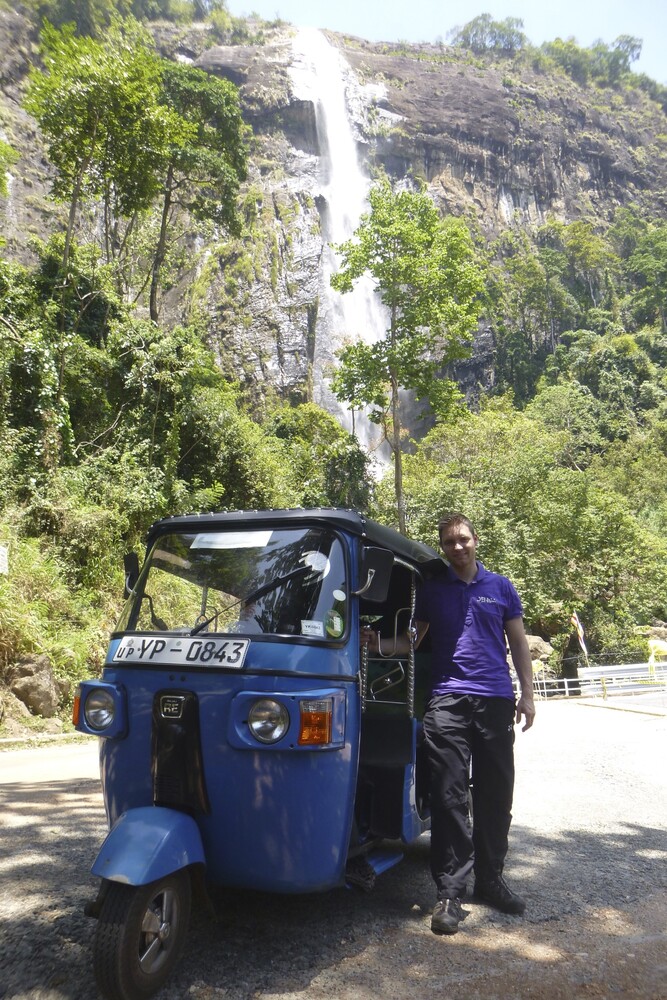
<point>334,624</point>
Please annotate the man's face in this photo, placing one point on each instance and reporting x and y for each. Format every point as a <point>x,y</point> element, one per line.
<point>460,546</point>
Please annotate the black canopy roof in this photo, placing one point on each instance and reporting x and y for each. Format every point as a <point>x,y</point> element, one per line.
<point>350,521</point>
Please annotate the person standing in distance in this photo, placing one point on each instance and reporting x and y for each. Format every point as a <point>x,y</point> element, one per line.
<point>471,613</point>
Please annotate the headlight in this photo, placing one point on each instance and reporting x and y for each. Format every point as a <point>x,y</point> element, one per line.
<point>99,709</point>
<point>268,720</point>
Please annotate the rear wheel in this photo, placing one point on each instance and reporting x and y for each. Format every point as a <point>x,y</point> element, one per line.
<point>140,935</point>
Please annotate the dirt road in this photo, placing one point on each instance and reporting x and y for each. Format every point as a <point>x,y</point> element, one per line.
<point>589,851</point>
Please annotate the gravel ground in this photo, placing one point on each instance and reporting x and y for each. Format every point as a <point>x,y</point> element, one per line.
<point>588,850</point>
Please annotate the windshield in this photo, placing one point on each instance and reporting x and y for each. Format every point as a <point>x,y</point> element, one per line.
<point>248,582</point>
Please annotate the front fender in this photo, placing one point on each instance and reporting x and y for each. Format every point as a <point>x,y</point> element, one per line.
<point>147,843</point>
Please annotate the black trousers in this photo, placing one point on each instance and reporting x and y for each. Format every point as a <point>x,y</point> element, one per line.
<point>458,728</point>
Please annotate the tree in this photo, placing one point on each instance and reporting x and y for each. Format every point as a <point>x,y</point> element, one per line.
<point>566,537</point>
<point>428,276</point>
<point>96,103</point>
<point>126,127</point>
<point>534,307</point>
<point>572,409</point>
<point>618,373</point>
<point>611,62</point>
<point>90,17</point>
<point>590,259</point>
<point>328,463</point>
<point>571,57</point>
<point>483,34</point>
<point>648,265</point>
<point>205,160</point>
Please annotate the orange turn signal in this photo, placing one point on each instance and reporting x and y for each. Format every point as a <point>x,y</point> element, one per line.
<point>76,707</point>
<point>315,728</point>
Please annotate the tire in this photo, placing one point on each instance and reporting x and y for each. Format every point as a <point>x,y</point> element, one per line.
<point>140,935</point>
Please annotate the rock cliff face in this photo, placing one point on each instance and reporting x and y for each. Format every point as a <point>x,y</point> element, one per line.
<point>498,141</point>
<point>489,140</point>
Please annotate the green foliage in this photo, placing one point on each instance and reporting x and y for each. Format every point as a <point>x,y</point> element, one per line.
<point>656,91</point>
<point>327,462</point>
<point>571,409</point>
<point>93,17</point>
<point>648,265</point>
<point>617,372</point>
<point>230,30</point>
<point>94,510</point>
<point>84,295</point>
<point>483,34</point>
<point>206,158</point>
<point>108,421</point>
<point>152,428</point>
<point>132,130</point>
<point>89,17</point>
<point>532,305</point>
<point>605,64</point>
<point>41,612</point>
<point>209,156</point>
<point>107,134</point>
<point>562,290</point>
<point>429,279</point>
<point>564,535</point>
<point>96,106</point>
<point>8,156</point>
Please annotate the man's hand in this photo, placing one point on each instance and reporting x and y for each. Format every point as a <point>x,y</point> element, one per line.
<point>525,709</point>
<point>369,638</point>
<point>516,637</point>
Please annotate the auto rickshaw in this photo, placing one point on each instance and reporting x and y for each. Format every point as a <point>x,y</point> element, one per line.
<point>247,738</point>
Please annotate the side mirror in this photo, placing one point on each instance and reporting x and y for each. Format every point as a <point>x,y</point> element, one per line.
<point>375,574</point>
<point>131,567</point>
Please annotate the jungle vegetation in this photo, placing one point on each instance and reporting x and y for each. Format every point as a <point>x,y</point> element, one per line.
<point>109,418</point>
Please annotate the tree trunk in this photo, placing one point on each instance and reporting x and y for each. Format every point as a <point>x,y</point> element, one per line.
<point>395,442</point>
<point>73,206</point>
<point>76,194</point>
<point>161,249</point>
<point>398,456</point>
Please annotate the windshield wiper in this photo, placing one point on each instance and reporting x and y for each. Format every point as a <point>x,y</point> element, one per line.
<point>266,588</point>
<point>253,596</point>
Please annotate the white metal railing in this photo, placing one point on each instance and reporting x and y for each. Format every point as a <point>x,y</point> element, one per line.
<point>605,681</point>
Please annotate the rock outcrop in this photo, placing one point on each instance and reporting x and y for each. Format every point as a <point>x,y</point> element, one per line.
<point>32,681</point>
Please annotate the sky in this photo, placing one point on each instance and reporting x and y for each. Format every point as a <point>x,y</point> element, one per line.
<point>429,20</point>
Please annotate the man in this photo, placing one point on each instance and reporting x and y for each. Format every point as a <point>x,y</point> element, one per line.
<point>471,614</point>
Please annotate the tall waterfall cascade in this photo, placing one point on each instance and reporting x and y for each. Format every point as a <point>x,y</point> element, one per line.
<point>321,76</point>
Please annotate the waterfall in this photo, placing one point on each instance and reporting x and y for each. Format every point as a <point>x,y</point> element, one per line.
<point>321,75</point>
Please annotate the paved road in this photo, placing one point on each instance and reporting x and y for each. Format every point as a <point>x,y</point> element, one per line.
<point>589,850</point>
<point>54,762</point>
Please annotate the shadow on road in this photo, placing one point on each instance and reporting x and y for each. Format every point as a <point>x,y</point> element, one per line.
<point>268,945</point>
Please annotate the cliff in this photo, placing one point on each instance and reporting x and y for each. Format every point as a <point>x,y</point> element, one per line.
<point>496,139</point>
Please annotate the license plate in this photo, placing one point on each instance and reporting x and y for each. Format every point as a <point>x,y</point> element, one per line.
<point>195,651</point>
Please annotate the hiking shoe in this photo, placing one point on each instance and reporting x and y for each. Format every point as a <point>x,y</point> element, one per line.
<point>497,893</point>
<point>447,915</point>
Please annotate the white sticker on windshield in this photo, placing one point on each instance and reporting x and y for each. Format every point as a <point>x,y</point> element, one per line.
<point>312,628</point>
<point>232,540</point>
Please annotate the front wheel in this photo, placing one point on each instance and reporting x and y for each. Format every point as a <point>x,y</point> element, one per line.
<point>140,935</point>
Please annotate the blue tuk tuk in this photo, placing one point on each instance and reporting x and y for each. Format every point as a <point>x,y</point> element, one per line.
<point>247,738</point>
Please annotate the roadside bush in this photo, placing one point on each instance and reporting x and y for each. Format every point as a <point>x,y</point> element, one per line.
<point>41,613</point>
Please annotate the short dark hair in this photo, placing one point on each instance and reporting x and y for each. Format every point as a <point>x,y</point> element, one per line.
<point>452,520</point>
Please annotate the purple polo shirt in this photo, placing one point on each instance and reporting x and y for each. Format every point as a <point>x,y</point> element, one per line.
<point>467,629</point>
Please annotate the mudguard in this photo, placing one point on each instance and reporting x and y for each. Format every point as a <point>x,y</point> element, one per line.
<point>147,843</point>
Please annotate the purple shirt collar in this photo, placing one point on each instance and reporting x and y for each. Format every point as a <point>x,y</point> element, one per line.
<point>455,578</point>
